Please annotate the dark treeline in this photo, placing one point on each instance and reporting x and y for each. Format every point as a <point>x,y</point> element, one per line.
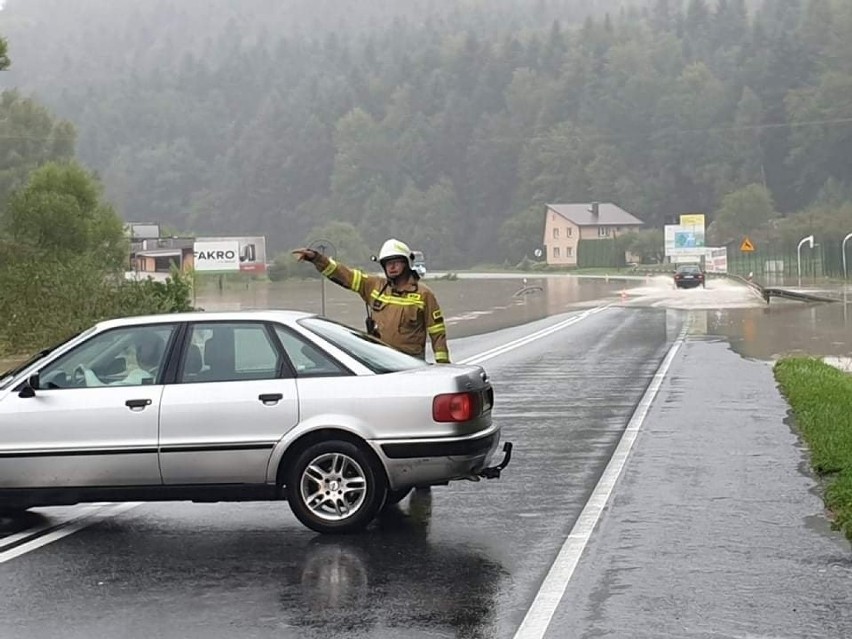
<point>450,125</point>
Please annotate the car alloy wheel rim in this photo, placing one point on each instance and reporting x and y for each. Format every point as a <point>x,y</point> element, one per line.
<point>333,487</point>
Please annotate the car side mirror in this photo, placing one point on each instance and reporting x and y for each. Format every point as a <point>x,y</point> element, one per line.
<point>30,386</point>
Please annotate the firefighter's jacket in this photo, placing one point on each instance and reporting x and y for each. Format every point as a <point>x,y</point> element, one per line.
<point>403,317</point>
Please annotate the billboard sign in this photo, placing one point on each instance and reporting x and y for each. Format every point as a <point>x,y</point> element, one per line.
<point>693,220</point>
<point>716,260</point>
<point>684,240</point>
<point>216,255</point>
<point>142,231</point>
<point>250,252</point>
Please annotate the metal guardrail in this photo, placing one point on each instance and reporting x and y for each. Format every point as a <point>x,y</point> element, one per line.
<point>799,296</point>
<point>768,292</point>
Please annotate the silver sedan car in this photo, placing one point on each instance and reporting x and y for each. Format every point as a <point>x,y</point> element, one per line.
<point>240,406</point>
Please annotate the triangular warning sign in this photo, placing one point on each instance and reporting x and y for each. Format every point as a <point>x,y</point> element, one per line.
<point>747,246</point>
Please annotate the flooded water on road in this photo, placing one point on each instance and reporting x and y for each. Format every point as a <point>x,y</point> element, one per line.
<point>470,305</point>
<point>480,304</point>
<point>476,304</point>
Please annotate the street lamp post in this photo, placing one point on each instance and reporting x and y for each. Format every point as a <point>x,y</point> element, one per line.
<point>805,240</point>
<point>321,246</point>
<point>843,250</point>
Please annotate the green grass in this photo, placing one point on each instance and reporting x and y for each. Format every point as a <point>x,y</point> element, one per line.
<point>821,399</point>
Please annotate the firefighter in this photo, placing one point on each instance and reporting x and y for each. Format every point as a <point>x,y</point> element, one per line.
<point>401,311</point>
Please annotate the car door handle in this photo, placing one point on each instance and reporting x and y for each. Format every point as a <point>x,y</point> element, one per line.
<point>137,403</point>
<point>270,398</point>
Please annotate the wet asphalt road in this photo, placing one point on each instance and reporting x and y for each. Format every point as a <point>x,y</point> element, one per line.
<point>465,563</point>
<point>716,529</point>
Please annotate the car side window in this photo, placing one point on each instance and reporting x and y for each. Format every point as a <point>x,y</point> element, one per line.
<point>229,352</point>
<point>307,359</point>
<point>131,356</point>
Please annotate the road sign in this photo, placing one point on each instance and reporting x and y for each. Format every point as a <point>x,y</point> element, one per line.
<point>747,246</point>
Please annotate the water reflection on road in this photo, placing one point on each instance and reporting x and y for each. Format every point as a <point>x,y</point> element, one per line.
<point>477,305</point>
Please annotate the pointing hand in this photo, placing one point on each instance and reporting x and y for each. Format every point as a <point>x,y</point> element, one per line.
<point>305,255</point>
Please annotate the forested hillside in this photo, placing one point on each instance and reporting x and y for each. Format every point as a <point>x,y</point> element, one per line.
<point>446,122</point>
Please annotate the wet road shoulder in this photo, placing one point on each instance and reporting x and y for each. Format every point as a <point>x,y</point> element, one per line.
<point>716,529</point>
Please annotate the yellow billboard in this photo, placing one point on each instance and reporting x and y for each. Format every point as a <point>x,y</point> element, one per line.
<point>693,220</point>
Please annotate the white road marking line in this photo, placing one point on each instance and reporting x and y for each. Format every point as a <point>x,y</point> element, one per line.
<point>540,614</point>
<point>523,341</point>
<point>69,528</point>
<point>75,514</point>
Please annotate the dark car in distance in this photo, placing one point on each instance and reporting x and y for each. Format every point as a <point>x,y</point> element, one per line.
<point>689,276</point>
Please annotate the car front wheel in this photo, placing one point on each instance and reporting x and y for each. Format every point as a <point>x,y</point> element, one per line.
<point>335,487</point>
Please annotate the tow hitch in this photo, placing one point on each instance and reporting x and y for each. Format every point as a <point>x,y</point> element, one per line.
<point>493,472</point>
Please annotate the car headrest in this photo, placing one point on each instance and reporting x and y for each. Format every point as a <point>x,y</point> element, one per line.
<point>193,360</point>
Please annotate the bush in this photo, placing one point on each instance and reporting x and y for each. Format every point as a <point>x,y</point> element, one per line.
<point>525,264</point>
<point>149,297</point>
<point>44,301</point>
<point>285,266</point>
<point>542,266</point>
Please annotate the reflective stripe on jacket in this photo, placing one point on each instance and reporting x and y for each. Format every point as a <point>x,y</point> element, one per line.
<point>404,318</point>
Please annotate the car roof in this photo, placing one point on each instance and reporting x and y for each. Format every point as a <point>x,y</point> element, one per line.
<point>207,316</point>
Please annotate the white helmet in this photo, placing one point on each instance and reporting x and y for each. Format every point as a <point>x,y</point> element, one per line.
<point>394,248</point>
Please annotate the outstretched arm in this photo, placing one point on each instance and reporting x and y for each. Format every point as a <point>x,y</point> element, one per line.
<point>352,278</point>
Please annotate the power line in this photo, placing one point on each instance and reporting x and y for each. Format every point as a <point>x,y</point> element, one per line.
<point>770,125</point>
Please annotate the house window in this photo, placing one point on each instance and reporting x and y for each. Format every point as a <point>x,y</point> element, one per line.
<point>603,231</point>
<point>555,251</point>
<point>569,252</point>
<point>570,231</point>
<point>555,233</point>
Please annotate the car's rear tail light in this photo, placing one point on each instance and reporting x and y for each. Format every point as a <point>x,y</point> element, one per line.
<point>455,407</point>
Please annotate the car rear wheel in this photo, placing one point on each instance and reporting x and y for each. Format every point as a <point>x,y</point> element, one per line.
<point>335,487</point>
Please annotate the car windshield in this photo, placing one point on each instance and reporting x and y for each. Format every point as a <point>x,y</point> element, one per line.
<point>689,269</point>
<point>371,352</point>
<point>6,377</point>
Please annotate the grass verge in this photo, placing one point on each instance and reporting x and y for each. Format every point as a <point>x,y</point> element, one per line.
<point>821,399</point>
